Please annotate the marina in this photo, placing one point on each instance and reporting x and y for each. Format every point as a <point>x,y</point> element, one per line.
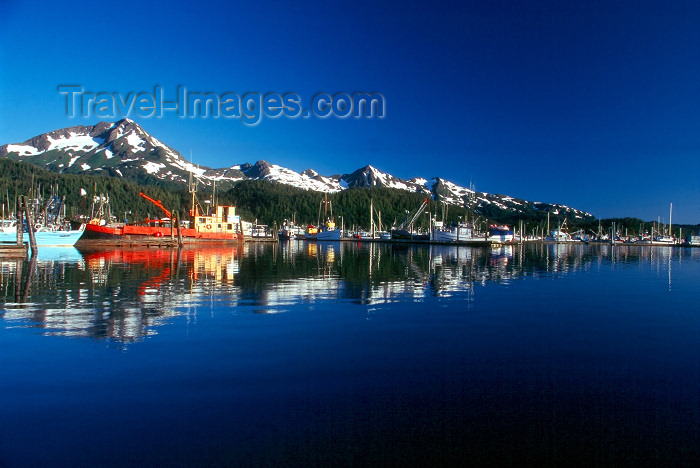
<point>45,223</point>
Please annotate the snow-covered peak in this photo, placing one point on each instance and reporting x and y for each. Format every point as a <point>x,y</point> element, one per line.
<point>306,180</point>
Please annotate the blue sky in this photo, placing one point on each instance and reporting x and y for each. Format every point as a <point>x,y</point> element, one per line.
<point>592,104</point>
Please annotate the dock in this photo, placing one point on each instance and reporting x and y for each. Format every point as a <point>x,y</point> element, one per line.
<point>13,250</point>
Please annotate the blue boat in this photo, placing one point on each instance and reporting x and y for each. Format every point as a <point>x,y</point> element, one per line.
<point>45,238</point>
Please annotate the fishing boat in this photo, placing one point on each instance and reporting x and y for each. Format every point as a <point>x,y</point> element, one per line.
<point>406,230</point>
<point>500,234</point>
<point>223,225</point>
<point>49,223</point>
<point>45,238</point>
<point>455,232</point>
<point>558,235</point>
<point>328,230</point>
<point>59,238</point>
<point>290,231</point>
<point>57,235</point>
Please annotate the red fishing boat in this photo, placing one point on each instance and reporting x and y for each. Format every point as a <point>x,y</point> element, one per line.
<point>223,225</point>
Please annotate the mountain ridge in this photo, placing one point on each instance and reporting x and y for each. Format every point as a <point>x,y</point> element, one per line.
<point>124,149</point>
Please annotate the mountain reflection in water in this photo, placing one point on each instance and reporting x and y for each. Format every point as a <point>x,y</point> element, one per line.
<point>126,294</point>
<point>351,354</point>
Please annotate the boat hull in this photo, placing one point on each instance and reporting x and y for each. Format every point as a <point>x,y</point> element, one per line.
<point>329,235</point>
<point>456,235</point>
<point>500,235</point>
<point>47,238</point>
<point>403,234</point>
<point>132,233</point>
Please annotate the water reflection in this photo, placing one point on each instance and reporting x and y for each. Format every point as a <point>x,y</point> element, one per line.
<point>126,294</point>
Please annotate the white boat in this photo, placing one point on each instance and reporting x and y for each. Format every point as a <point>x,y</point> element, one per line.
<point>693,240</point>
<point>365,235</point>
<point>559,235</point>
<point>261,231</point>
<point>658,237</point>
<point>664,240</point>
<point>290,231</point>
<point>8,226</point>
<point>500,234</point>
<point>461,232</point>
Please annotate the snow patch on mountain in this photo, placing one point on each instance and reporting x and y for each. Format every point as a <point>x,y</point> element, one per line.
<point>23,150</point>
<point>136,142</point>
<point>153,168</point>
<point>74,141</point>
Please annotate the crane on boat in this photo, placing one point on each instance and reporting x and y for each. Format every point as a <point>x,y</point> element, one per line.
<point>158,203</point>
<point>408,223</point>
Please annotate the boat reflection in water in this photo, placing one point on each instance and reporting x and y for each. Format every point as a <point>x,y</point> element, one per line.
<point>350,353</point>
<point>126,294</point>
<point>117,294</point>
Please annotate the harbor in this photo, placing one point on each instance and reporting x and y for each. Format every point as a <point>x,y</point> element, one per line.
<point>44,221</point>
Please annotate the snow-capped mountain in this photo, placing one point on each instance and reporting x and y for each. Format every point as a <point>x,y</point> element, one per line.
<point>123,149</point>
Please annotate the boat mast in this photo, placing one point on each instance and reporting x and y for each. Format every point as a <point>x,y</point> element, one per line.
<point>371,217</point>
<point>670,215</point>
<point>213,199</point>
<point>192,186</point>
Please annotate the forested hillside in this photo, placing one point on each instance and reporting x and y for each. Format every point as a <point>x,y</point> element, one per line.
<point>271,203</point>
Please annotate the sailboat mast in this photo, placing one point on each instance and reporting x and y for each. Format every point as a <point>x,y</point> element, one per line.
<point>670,226</point>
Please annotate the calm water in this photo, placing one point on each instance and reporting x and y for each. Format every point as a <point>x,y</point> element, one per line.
<point>351,355</point>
